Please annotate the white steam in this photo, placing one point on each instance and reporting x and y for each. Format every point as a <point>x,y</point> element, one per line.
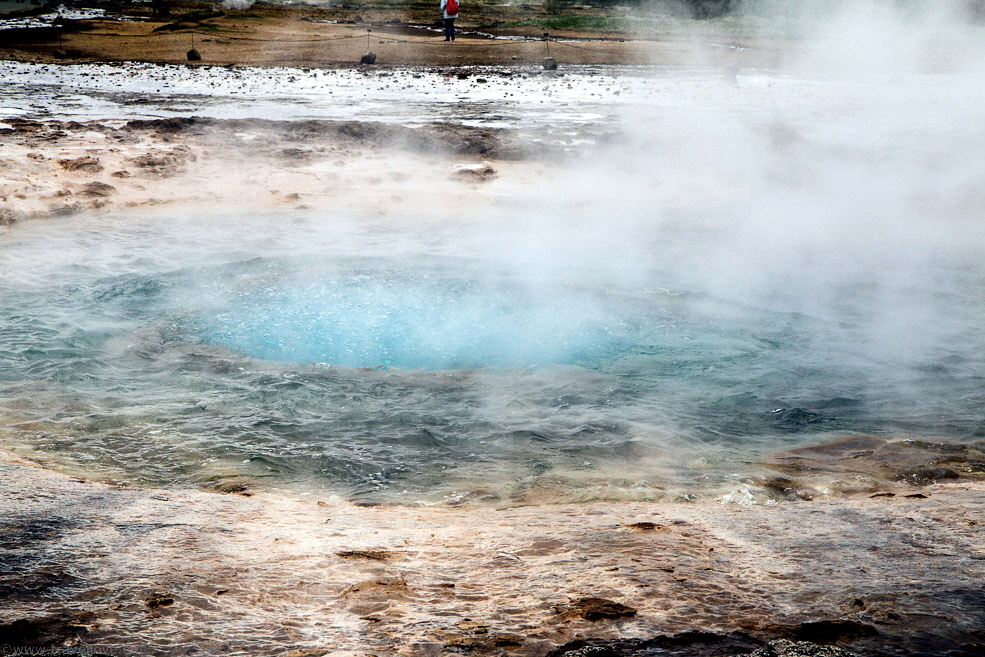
<point>237,4</point>
<point>848,183</point>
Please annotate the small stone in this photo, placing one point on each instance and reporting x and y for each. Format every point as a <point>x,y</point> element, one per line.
<point>924,476</point>
<point>194,55</point>
<point>234,487</point>
<point>596,609</point>
<point>550,64</point>
<point>155,600</point>
<point>98,189</point>
<point>372,555</point>
<point>296,154</point>
<point>86,163</point>
<point>477,175</point>
<point>368,58</point>
<point>788,488</point>
<point>381,587</point>
<point>9,215</point>
<point>644,526</point>
<point>65,210</point>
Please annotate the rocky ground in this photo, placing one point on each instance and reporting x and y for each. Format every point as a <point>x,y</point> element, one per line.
<point>242,571</point>
<point>63,168</point>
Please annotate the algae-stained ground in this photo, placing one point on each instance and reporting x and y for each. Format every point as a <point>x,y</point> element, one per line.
<point>162,572</point>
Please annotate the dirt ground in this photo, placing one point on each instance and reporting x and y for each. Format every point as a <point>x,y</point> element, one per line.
<point>290,36</point>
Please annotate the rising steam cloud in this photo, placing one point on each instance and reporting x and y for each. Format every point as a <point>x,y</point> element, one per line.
<point>237,4</point>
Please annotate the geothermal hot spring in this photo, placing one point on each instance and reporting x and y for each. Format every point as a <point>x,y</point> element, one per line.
<point>739,269</point>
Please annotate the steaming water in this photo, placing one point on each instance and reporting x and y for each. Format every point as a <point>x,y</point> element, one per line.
<point>413,360</point>
<point>758,267</point>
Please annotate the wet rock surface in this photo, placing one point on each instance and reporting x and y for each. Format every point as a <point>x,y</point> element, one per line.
<point>784,648</point>
<point>182,570</point>
<point>434,138</point>
<point>691,644</point>
<point>155,600</point>
<point>51,630</point>
<point>869,463</point>
<point>595,609</point>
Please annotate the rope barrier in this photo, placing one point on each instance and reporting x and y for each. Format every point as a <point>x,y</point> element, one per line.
<point>232,38</point>
<point>596,50</point>
<point>488,42</point>
<point>319,40</point>
<point>513,42</point>
<point>384,39</point>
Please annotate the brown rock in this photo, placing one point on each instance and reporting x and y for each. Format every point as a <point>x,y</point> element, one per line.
<point>823,630</point>
<point>480,175</point>
<point>296,154</point>
<point>234,487</point>
<point>161,164</point>
<point>372,555</point>
<point>595,609</point>
<point>912,461</point>
<point>379,588</point>
<point>155,600</point>
<point>923,476</point>
<point>65,209</point>
<point>98,189</point>
<point>87,163</point>
<point>46,630</point>
<point>788,488</point>
<point>645,526</point>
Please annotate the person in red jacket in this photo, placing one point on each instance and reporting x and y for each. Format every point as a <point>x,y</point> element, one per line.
<point>450,9</point>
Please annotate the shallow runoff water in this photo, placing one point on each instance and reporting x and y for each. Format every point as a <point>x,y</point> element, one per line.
<point>753,266</point>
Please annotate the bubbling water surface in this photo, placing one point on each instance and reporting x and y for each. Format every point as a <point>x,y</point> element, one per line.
<point>419,315</point>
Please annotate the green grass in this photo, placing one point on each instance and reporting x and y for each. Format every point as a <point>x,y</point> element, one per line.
<point>197,15</point>
<point>580,23</point>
